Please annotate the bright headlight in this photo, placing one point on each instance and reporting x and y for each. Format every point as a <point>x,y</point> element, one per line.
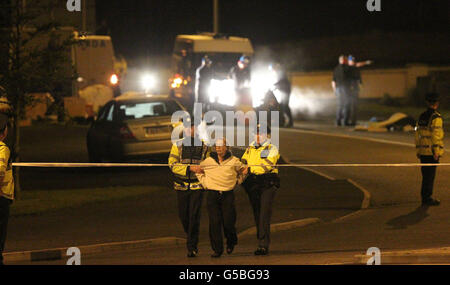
<point>147,82</point>
<point>262,81</point>
<point>222,92</point>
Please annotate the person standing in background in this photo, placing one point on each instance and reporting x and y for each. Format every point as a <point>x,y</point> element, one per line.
<point>341,86</point>
<point>430,146</point>
<point>355,81</point>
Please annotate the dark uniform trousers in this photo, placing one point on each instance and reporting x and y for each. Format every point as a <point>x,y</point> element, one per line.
<point>344,106</point>
<point>222,215</point>
<point>428,175</point>
<point>189,206</point>
<point>261,198</point>
<point>4,216</point>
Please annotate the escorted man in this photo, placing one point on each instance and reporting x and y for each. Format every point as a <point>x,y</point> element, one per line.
<point>6,183</point>
<point>220,174</point>
<point>262,183</point>
<point>430,146</point>
<point>184,160</point>
<point>203,77</point>
<point>340,86</point>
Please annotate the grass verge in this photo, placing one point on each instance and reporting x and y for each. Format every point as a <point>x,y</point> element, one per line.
<point>40,201</point>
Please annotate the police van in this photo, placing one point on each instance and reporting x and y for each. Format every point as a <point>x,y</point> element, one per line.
<point>98,71</point>
<point>187,56</point>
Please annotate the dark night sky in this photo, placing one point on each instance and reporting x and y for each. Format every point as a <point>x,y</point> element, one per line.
<point>149,27</point>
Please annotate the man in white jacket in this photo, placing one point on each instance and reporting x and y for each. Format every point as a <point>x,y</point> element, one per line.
<point>219,176</point>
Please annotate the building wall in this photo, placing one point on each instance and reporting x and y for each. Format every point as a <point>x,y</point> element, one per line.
<point>376,82</point>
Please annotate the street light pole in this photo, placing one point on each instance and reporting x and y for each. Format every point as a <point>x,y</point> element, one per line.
<point>216,16</point>
<point>83,16</point>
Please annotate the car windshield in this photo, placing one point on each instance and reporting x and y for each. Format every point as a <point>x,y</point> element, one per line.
<point>139,110</point>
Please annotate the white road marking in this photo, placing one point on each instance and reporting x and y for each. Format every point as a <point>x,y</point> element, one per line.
<point>351,137</point>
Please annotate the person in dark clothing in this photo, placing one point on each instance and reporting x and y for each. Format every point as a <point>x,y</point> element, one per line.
<point>283,85</point>
<point>270,104</point>
<point>241,73</point>
<point>204,75</point>
<point>355,81</point>
<point>184,65</point>
<point>341,88</point>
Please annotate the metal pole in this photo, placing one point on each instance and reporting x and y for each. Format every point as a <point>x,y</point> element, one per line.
<point>216,16</point>
<point>83,15</point>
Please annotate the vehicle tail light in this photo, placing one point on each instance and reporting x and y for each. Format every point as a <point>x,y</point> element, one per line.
<point>114,79</point>
<point>126,134</point>
<point>177,81</point>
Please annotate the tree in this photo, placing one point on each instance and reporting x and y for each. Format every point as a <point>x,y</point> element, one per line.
<point>34,57</point>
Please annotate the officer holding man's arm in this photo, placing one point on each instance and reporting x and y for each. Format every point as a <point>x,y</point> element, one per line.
<point>262,183</point>
<point>430,146</point>
<point>184,161</point>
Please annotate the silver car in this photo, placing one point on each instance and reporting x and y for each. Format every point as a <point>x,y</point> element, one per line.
<point>132,127</point>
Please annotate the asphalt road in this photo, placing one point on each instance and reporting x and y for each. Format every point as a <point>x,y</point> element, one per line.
<point>394,221</point>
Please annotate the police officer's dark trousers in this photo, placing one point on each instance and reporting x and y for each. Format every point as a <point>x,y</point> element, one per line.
<point>343,109</point>
<point>428,175</point>
<point>353,105</point>
<point>222,215</point>
<point>189,205</point>
<point>4,216</point>
<point>261,198</point>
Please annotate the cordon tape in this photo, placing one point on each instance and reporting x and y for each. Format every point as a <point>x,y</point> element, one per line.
<point>105,165</point>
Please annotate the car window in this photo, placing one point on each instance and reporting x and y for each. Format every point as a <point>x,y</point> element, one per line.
<point>139,110</point>
<point>103,111</point>
<point>110,115</point>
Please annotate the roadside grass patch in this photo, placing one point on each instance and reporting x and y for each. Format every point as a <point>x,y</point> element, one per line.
<point>39,201</point>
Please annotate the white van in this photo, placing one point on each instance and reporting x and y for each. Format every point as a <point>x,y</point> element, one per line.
<point>187,56</point>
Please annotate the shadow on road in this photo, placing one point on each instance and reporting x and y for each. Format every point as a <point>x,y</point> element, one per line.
<point>410,219</point>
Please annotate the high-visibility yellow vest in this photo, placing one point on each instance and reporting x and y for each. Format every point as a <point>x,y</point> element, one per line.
<point>180,156</point>
<point>430,134</point>
<point>6,175</point>
<point>262,159</point>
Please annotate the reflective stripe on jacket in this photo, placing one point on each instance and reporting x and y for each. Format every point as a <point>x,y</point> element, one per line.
<point>262,159</point>
<point>430,134</point>
<point>184,179</point>
<point>6,175</point>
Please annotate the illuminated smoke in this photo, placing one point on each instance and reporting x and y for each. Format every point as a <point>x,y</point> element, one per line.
<point>310,102</point>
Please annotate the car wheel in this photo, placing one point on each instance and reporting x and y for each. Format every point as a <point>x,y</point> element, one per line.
<point>94,156</point>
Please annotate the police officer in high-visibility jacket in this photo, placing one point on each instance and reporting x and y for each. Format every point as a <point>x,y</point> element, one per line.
<point>6,183</point>
<point>430,146</point>
<point>184,160</point>
<point>262,183</point>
